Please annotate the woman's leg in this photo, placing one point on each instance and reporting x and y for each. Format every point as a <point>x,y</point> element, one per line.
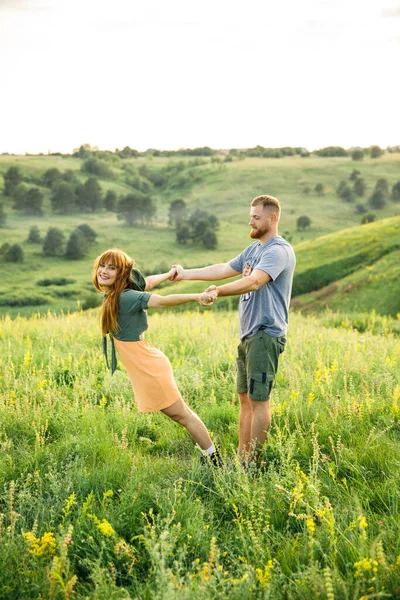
<point>182,414</point>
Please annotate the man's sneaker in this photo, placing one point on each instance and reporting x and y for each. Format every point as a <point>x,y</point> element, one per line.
<point>213,459</point>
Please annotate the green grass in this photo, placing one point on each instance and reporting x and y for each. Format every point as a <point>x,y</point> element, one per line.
<point>102,500</point>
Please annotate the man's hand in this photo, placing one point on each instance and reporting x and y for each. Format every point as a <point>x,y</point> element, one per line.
<point>178,272</point>
<point>208,297</point>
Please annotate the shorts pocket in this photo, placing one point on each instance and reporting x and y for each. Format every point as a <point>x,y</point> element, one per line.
<point>260,386</point>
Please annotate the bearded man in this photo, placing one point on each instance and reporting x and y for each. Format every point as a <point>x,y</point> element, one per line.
<point>267,267</point>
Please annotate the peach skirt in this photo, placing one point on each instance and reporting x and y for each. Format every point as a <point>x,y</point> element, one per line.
<point>150,373</point>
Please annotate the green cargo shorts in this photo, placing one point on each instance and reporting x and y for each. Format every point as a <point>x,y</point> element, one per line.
<point>257,364</point>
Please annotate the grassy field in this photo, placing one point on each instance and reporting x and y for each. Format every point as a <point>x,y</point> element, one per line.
<point>225,189</point>
<point>100,501</point>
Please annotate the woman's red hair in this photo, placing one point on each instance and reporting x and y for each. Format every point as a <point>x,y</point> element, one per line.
<point>109,310</point>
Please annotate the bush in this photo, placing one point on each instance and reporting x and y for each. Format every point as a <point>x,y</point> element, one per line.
<point>357,154</point>
<point>4,249</point>
<point>303,222</point>
<point>24,300</point>
<point>12,178</point>
<point>377,199</point>
<point>14,254</point>
<point>354,175</point>
<point>88,232</point>
<point>97,167</point>
<point>359,187</point>
<point>3,216</point>
<point>360,208</point>
<point>91,301</point>
<point>54,281</point>
<point>319,188</point>
<point>110,201</point>
<point>53,242</point>
<point>34,236</point>
<point>77,245</point>
<point>368,218</point>
<point>396,192</point>
<point>376,152</point>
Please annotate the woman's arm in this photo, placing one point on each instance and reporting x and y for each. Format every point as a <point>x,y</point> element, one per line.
<point>153,280</point>
<point>204,299</point>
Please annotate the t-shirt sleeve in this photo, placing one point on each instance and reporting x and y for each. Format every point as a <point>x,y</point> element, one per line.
<point>132,301</point>
<point>274,261</point>
<point>237,263</point>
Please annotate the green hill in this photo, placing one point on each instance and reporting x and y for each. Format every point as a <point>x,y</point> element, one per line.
<point>223,188</point>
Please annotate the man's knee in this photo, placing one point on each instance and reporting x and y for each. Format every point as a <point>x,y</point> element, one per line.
<point>244,400</point>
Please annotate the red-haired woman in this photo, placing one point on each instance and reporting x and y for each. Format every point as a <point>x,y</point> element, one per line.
<point>124,317</point>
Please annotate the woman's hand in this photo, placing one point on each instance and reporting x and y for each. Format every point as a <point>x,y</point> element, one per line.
<point>208,297</point>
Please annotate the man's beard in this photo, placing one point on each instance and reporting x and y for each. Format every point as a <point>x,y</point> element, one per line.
<point>256,234</point>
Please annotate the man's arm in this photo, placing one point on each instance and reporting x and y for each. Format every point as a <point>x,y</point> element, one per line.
<point>211,273</point>
<point>250,283</point>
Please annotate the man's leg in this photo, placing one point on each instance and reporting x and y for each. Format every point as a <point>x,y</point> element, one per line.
<point>245,424</point>
<point>261,422</point>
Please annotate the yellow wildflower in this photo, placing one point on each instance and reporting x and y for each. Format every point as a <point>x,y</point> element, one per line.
<point>105,528</point>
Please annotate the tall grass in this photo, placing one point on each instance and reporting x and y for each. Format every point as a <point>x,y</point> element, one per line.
<point>98,500</point>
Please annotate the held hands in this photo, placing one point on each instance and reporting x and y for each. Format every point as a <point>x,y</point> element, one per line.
<point>172,273</point>
<point>176,273</point>
<point>208,297</point>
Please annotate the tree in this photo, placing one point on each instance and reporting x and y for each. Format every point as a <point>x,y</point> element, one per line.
<point>50,177</point>
<point>88,232</point>
<point>4,249</point>
<point>319,188</point>
<point>12,178</point>
<point>346,194</point>
<point>53,242</point>
<point>357,154</point>
<point>359,187</point>
<point>306,190</point>
<point>77,245</point>
<point>19,196</point>
<point>303,222</point>
<point>14,254</point>
<point>382,186</point>
<point>368,218</point>
<point>209,239</point>
<point>110,201</point>
<point>90,195</point>
<point>376,152</point>
<point>377,199</point>
<point>3,216</point>
<point>360,208</point>
<point>33,202</point>
<point>34,236</point>
<point>340,187</point>
<point>354,175</point>
<point>97,167</point>
<point>177,212</point>
<point>183,235</point>
<point>396,192</point>
<point>63,198</point>
<point>135,207</point>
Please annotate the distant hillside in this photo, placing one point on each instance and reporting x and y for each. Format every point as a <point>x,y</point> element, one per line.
<point>223,188</point>
<point>353,270</point>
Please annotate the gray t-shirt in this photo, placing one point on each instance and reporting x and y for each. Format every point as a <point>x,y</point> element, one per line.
<point>267,307</point>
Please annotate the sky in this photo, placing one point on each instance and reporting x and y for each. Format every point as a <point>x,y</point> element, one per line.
<point>183,74</point>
